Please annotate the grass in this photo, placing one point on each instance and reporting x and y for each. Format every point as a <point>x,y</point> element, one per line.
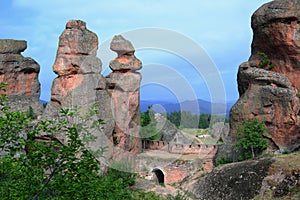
<point>192,134</point>
<point>284,163</point>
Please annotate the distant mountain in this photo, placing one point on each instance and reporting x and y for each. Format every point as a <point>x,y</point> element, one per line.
<point>196,107</point>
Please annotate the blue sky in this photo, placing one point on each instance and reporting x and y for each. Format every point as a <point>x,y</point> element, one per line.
<point>221,28</point>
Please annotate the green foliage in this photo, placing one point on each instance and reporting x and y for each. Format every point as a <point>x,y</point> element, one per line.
<point>30,113</point>
<point>37,165</point>
<point>250,136</point>
<point>298,94</point>
<point>186,119</point>
<point>223,160</point>
<point>180,196</point>
<point>265,62</point>
<point>148,126</point>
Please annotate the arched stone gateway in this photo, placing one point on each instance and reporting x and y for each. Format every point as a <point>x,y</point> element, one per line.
<point>160,175</point>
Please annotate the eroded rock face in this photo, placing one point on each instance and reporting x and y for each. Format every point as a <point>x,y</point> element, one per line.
<point>170,132</point>
<point>268,96</point>
<point>124,83</point>
<point>79,82</point>
<point>242,180</point>
<point>21,74</point>
<point>265,94</point>
<point>276,27</point>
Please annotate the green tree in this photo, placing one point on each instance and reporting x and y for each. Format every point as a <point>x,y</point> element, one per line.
<point>35,164</point>
<point>175,118</point>
<point>250,136</point>
<point>148,126</point>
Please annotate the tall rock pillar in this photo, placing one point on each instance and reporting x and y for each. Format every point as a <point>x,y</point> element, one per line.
<point>124,84</point>
<point>79,81</point>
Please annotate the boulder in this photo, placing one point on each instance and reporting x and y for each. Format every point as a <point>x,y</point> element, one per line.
<point>121,46</point>
<point>242,180</point>
<point>276,32</point>
<point>21,74</point>
<point>9,46</point>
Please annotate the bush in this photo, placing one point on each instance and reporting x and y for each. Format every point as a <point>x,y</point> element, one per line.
<point>250,136</point>
<point>265,62</point>
<point>36,165</point>
<point>223,160</point>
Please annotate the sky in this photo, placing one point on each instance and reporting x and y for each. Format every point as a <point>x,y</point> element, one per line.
<point>189,49</point>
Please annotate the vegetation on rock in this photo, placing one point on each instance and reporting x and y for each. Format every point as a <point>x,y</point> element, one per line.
<point>265,61</point>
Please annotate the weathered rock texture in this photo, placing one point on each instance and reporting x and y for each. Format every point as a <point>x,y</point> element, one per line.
<point>265,178</point>
<point>170,133</point>
<point>276,28</point>
<point>272,95</point>
<point>268,96</point>
<point>21,74</point>
<point>241,180</point>
<point>124,87</point>
<point>79,82</point>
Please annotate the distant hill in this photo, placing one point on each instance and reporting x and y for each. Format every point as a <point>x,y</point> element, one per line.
<point>204,107</point>
<point>196,107</point>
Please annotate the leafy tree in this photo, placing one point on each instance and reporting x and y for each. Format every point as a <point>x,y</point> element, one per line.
<point>186,119</point>
<point>250,136</point>
<point>35,164</point>
<point>148,126</point>
<point>175,118</point>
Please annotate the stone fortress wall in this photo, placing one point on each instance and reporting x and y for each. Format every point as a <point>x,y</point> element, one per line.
<point>178,148</point>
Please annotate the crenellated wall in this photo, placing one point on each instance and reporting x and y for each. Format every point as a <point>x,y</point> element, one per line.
<point>179,148</point>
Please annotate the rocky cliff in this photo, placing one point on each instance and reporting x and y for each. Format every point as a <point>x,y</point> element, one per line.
<point>21,74</point>
<point>269,93</point>
<point>276,32</point>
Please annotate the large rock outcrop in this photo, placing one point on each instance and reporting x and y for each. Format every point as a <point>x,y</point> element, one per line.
<point>124,87</point>
<point>264,178</point>
<point>276,28</point>
<point>241,180</point>
<point>79,82</point>
<point>170,133</point>
<point>268,96</point>
<point>21,75</point>
<point>270,92</point>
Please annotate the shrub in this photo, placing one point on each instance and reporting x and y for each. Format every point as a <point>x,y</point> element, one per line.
<point>265,62</point>
<point>250,136</point>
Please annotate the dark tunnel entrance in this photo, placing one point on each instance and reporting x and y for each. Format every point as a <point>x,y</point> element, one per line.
<point>159,175</point>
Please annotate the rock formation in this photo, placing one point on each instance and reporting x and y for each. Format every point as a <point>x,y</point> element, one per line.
<point>268,96</point>
<point>265,178</point>
<point>242,180</point>
<point>170,133</point>
<point>21,74</point>
<point>276,29</point>
<point>124,88</point>
<point>79,82</point>
<point>272,95</point>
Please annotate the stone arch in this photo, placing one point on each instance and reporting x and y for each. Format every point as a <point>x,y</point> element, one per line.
<point>160,174</point>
